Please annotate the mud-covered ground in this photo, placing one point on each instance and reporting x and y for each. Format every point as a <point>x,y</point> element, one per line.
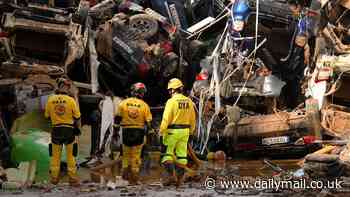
<point>185,191</point>
<point>213,179</point>
<point>227,178</point>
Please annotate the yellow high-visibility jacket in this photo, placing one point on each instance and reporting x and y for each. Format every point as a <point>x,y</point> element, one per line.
<point>62,110</point>
<point>179,113</point>
<point>134,113</point>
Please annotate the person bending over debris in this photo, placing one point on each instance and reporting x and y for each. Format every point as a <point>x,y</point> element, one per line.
<point>64,114</point>
<point>132,115</point>
<point>178,123</point>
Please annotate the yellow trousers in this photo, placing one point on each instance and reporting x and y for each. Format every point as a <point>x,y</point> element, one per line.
<point>56,161</point>
<point>176,146</point>
<point>132,157</point>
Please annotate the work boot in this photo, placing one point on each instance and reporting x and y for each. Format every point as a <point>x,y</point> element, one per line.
<point>168,177</point>
<point>126,174</point>
<point>180,174</point>
<point>134,178</point>
<point>54,180</point>
<point>74,182</point>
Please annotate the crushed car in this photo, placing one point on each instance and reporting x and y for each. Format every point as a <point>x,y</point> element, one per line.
<point>41,40</point>
<point>38,44</point>
<point>143,46</point>
<point>240,88</point>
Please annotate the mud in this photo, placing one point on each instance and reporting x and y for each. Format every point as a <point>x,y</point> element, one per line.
<point>151,173</point>
<point>241,170</point>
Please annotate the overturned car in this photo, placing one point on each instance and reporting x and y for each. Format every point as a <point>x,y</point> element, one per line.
<point>251,69</point>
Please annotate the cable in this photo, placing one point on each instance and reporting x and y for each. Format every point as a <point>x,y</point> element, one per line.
<point>250,70</point>
<point>256,25</point>
<point>217,19</point>
<point>253,52</point>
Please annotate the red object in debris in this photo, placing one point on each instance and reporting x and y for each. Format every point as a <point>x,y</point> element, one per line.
<point>166,46</point>
<point>220,155</point>
<point>171,29</point>
<point>143,70</point>
<point>3,34</point>
<point>92,2</point>
<point>246,146</point>
<point>202,76</point>
<point>324,74</point>
<point>309,139</point>
<point>312,13</point>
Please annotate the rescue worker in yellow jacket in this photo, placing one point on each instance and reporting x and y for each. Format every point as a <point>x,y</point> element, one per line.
<point>178,123</point>
<point>134,115</point>
<point>64,114</point>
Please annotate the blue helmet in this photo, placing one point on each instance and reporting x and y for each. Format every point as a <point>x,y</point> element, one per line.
<point>306,26</point>
<point>240,10</point>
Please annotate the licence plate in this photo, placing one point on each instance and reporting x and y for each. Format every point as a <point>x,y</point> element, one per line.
<point>275,140</point>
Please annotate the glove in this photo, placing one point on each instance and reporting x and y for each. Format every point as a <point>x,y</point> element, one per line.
<point>76,131</point>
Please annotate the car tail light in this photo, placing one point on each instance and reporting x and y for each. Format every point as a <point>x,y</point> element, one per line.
<point>309,139</point>
<point>246,146</point>
<point>3,34</point>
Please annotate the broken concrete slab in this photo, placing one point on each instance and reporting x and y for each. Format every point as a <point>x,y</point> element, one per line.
<point>325,158</point>
<point>324,165</point>
<point>325,150</point>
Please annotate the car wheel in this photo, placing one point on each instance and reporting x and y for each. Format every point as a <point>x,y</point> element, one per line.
<point>144,25</point>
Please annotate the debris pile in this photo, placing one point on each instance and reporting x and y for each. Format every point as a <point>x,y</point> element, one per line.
<point>18,178</point>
